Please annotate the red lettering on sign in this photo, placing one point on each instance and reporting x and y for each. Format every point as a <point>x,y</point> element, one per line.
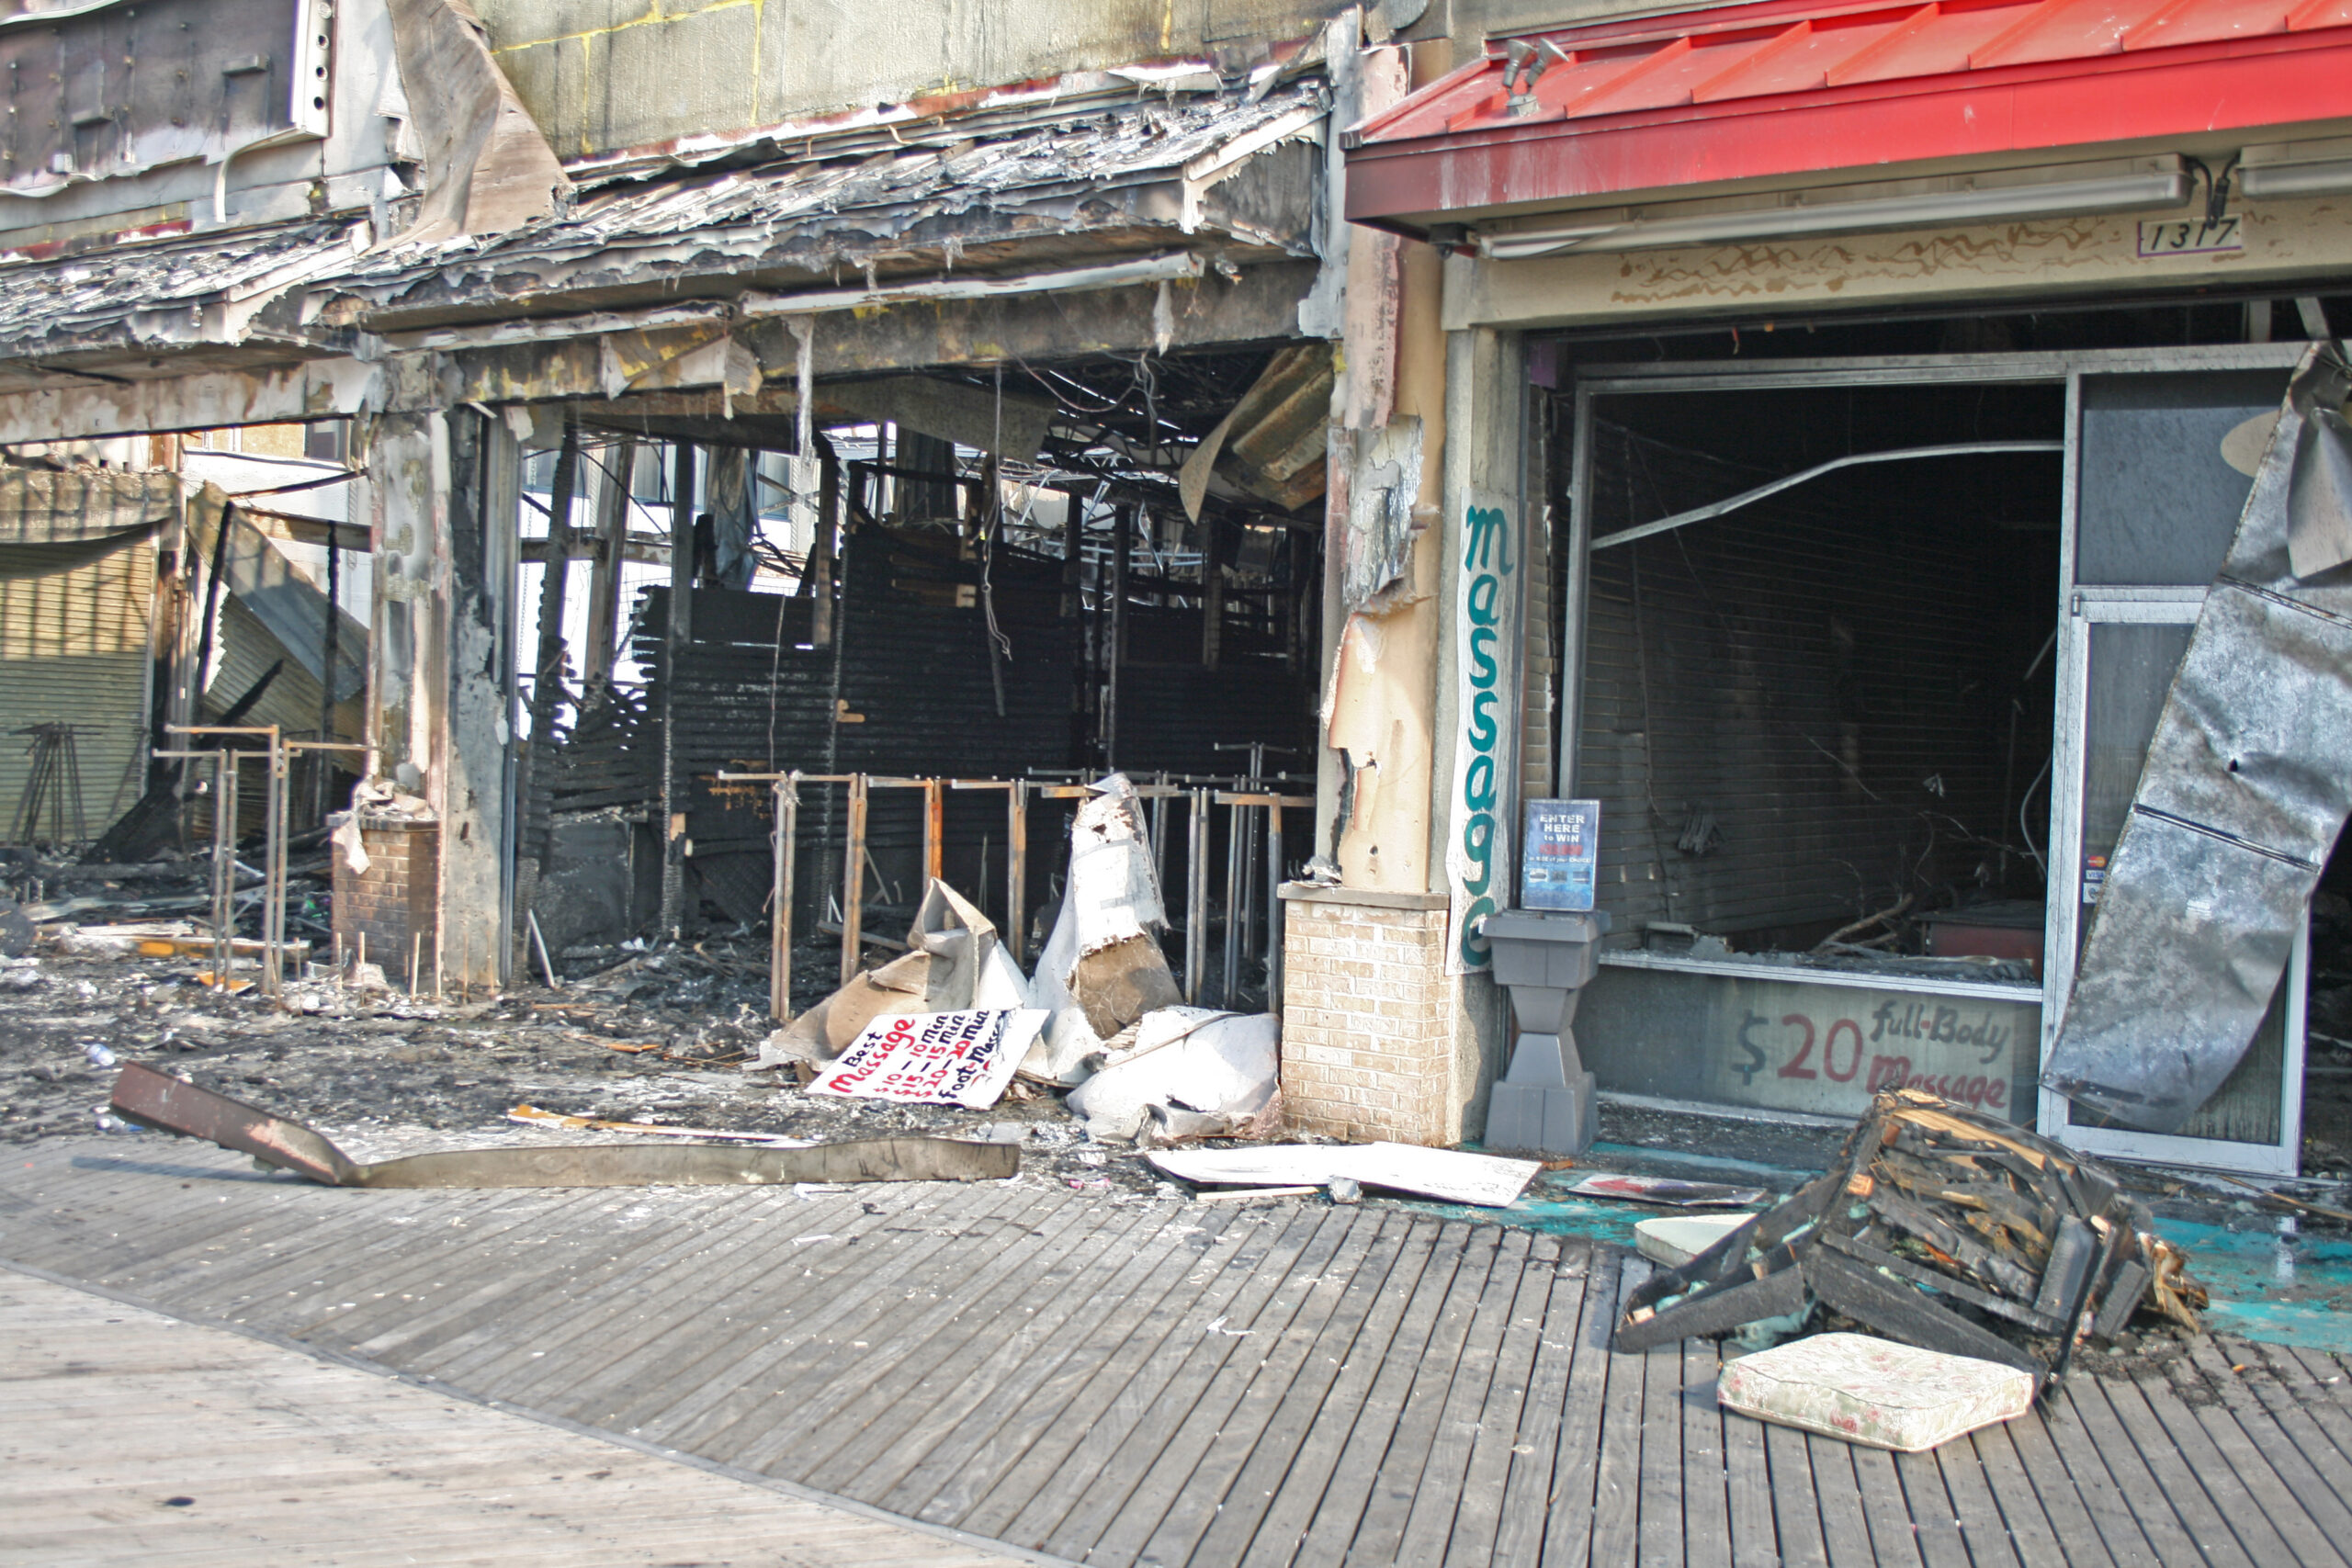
<point>1795,1068</point>
<point>1829,1051</point>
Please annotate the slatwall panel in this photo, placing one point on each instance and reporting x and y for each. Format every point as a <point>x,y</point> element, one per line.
<point>1731,664</point>
<point>1173,719</point>
<point>73,650</point>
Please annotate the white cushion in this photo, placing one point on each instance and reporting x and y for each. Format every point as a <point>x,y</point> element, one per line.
<point>1873,1392</point>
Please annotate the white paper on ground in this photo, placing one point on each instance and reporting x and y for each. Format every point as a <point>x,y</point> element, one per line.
<point>1487,1180</point>
<point>1196,1060</point>
<point>938,1058</point>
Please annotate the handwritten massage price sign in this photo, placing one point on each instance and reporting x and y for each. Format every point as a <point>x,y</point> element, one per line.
<point>934,1058</point>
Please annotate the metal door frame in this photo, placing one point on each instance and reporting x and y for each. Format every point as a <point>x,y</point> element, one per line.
<point>2085,608</point>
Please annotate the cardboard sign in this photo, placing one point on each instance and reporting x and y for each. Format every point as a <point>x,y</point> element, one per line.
<point>933,1058</point>
<point>1558,854</point>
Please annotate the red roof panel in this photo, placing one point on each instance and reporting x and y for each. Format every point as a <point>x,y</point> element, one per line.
<point>1661,101</point>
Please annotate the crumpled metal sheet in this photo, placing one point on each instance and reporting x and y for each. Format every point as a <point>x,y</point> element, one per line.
<point>2247,783</point>
<point>1055,170</point>
<point>158,1100</point>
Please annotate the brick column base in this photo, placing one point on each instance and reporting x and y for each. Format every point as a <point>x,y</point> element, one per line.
<point>1375,1034</point>
<point>397,899</point>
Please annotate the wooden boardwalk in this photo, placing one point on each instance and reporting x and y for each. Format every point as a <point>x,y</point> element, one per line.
<point>130,1437</point>
<point>1168,1382</point>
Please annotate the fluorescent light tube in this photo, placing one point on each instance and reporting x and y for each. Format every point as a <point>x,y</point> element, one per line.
<point>2258,181</point>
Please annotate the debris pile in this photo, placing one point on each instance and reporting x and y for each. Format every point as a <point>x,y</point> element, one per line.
<point>1939,1227</point>
<point>953,1019</point>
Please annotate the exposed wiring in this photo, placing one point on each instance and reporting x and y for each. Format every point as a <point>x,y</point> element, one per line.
<point>2022,827</point>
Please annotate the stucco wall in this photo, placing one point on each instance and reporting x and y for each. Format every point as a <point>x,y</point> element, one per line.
<point>602,74</point>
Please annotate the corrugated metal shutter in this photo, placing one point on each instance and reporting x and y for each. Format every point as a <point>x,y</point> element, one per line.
<point>245,651</point>
<point>1797,673</point>
<point>74,649</point>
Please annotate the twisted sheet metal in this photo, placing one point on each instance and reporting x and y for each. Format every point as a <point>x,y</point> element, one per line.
<point>2247,783</point>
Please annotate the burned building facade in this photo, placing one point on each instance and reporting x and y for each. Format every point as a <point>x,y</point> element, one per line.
<point>1816,437</point>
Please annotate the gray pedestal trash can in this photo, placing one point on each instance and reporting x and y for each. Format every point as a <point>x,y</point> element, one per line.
<point>1544,1104</point>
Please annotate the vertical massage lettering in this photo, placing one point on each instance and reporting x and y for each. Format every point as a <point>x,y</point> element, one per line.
<point>1485,616</point>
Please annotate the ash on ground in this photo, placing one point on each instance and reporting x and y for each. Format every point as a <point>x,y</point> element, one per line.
<point>654,1037</point>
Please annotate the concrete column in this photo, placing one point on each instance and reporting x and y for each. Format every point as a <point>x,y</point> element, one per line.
<point>478,795</point>
<point>445,487</point>
<point>408,468</point>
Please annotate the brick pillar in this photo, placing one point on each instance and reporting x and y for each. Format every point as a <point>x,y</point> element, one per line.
<point>396,901</point>
<point>1376,1040</point>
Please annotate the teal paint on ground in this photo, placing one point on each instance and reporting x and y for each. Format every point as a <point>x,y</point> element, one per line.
<point>2280,1288</point>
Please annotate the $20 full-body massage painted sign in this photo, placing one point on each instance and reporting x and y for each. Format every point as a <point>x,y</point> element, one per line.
<point>1486,636</point>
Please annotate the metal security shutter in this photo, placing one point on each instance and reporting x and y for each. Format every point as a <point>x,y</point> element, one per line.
<point>1821,684</point>
<point>74,649</point>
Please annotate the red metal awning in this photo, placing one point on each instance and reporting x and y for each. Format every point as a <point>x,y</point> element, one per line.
<point>1786,88</point>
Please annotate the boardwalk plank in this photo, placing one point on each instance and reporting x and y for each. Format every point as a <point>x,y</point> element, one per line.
<point>882,1337</point>
<point>1661,1494</point>
<point>2327,1493</point>
<point>1894,1535</point>
<point>1993,1488</point>
<point>1617,1478</point>
<point>1797,1511</point>
<point>1706,1475</point>
<point>1503,1424</point>
<point>2200,1487</point>
<point>1436,1496</point>
<point>995,1440</point>
<point>2054,1431</point>
<point>1070,1511</point>
<point>1212,1438</point>
<point>1526,1495</point>
<point>1323,1326</point>
<point>1021,1357</point>
<point>2216,1448</point>
<point>1312,1419</point>
<point>2096,1428</point>
<point>1568,1527</point>
<point>808,1292</point>
<point>1060,1433</point>
<point>718,1253</point>
<point>1396,1324</point>
<point>1845,1525</point>
<point>1935,1518</point>
<point>872,1400</point>
<point>1458,1263</point>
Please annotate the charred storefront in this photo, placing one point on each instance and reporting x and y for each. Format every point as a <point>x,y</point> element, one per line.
<point>1924,562</point>
<point>564,519</point>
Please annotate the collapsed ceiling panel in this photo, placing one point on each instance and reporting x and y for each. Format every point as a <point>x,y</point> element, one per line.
<point>119,89</point>
<point>1114,176</point>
